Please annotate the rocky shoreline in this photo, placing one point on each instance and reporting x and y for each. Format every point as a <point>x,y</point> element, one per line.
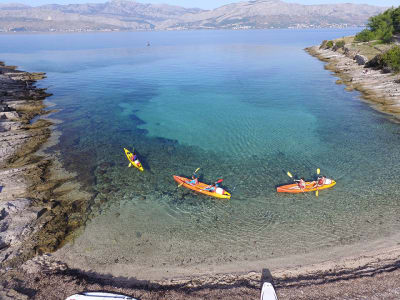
<point>379,88</point>
<point>36,216</point>
<point>41,206</point>
<point>20,103</point>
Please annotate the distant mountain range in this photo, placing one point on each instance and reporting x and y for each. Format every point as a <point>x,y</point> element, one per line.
<point>123,15</point>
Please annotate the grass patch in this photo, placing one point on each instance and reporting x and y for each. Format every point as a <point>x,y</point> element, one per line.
<point>339,44</point>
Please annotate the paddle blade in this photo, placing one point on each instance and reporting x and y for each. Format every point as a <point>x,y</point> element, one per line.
<point>197,170</point>
<point>180,184</point>
<point>289,174</point>
<point>130,165</point>
<point>318,171</point>
<point>316,193</point>
<point>219,181</point>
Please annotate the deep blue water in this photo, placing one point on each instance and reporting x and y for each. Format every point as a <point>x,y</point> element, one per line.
<point>246,106</point>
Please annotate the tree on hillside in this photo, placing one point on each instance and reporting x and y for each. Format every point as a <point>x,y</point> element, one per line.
<point>381,27</point>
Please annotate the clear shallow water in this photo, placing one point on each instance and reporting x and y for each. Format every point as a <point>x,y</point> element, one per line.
<point>243,105</point>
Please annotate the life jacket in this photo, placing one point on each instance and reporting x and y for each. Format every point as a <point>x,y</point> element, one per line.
<point>302,184</point>
<point>194,181</point>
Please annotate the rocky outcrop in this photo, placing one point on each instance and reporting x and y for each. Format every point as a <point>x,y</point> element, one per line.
<point>361,59</point>
<point>41,204</point>
<point>381,89</point>
<point>16,220</point>
<point>20,101</point>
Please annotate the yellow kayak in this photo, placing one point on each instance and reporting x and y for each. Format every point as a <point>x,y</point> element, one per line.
<point>135,163</point>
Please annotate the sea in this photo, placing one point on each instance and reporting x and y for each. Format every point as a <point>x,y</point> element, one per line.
<point>245,106</point>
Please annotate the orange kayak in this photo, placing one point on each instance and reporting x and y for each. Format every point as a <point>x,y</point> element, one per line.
<point>310,187</point>
<point>219,192</point>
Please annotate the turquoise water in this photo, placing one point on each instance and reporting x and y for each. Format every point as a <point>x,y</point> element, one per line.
<point>245,106</point>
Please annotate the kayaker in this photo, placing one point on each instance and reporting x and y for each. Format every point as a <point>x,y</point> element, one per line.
<point>135,159</point>
<point>212,188</point>
<point>320,181</point>
<point>194,180</point>
<point>301,183</point>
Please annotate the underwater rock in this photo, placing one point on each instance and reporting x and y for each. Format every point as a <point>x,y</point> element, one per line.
<point>105,190</point>
<point>107,179</point>
<point>114,188</point>
<point>105,165</point>
<point>102,171</point>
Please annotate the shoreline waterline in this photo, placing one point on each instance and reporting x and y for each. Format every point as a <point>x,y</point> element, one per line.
<point>336,263</point>
<point>380,90</point>
<point>34,194</point>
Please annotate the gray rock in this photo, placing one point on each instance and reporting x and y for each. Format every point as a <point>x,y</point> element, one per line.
<point>16,219</point>
<point>360,59</point>
<point>10,294</point>
<point>9,115</point>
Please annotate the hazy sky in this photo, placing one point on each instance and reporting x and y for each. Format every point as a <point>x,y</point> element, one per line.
<point>206,4</point>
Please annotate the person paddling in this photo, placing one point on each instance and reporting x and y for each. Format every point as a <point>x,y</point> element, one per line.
<point>135,159</point>
<point>301,183</point>
<point>194,180</point>
<point>320,181</point>
<point>213,187</point>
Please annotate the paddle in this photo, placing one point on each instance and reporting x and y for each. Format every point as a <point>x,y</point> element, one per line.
<point>316,192</point>
<point>193,174</point>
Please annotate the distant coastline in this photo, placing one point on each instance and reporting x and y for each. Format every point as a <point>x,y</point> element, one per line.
<point>124,15</point>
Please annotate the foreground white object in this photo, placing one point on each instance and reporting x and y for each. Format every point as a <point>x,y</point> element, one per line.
<point>98,296</point>
<point>268,292</point>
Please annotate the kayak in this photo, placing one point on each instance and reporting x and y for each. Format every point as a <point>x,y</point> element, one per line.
<point>137,165</point>
<point>310,187</point>
<point>99,296</point>
<point>268,292</point>
<point>219,192</point>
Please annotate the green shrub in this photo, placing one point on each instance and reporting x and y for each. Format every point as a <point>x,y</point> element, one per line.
<point>365,36</point>
<point>391,59</point>
<point>388,61</point>
<point>340,44</point>
<point>329,44</point>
